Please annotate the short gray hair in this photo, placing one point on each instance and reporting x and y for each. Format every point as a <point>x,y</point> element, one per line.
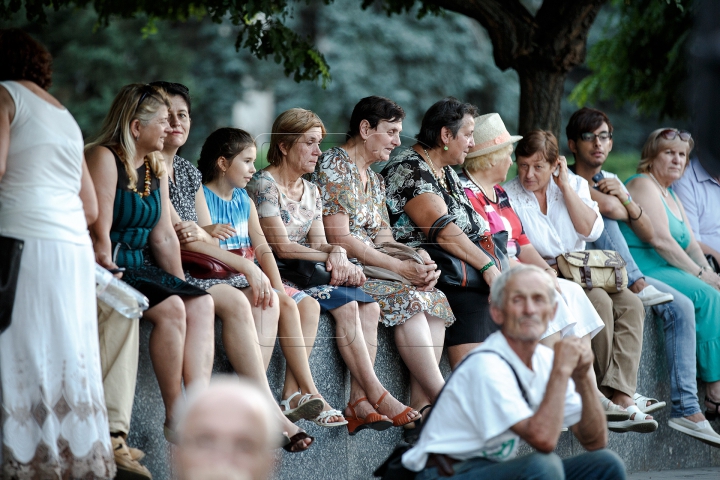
<point>498,290</point>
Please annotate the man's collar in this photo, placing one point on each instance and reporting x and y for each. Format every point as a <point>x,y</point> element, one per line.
<point>701,174</point>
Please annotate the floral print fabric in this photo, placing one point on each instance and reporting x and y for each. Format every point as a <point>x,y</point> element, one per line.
<point>298,218</point>
<point>342,191</point>
<point>407,176</point>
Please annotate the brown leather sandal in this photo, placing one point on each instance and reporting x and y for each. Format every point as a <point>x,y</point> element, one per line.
<point>373,420</point>
<point>289,443</point>
<point>398,420</point>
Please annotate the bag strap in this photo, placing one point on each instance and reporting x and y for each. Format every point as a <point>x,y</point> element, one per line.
<point>523,392</point>
<point>439,225</point>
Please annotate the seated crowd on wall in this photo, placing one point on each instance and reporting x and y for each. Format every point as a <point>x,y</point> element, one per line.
<point>550,272</point>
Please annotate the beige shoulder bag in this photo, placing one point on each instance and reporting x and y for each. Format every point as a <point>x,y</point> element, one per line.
<point>594,269</point>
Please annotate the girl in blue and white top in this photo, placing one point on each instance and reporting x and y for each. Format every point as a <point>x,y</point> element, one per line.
<point>227,165</point>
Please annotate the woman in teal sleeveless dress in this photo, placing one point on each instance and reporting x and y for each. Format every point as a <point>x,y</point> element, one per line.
<point>134,212</point>
<point>674,256</point>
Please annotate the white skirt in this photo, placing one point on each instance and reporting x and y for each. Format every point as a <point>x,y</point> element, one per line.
<point>575,314</point>
<point>54,417</point>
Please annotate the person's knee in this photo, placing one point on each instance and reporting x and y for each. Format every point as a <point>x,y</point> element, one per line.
<point>309,310</point>
<point>607,464</point>
<point>545,466</point>
<point>602,303</point>
<point>369,314</point>
<point>169,313</point>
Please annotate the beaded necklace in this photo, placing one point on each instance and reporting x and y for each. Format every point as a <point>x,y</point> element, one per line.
<point>663,190</point>
<point>146,192</point>
<point>441,180</point>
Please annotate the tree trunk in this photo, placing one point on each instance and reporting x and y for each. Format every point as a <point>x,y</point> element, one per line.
<point>541,94</point>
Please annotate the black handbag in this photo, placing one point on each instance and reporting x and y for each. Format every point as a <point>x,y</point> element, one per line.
<point>303,273</point>
<point>10,255</point>
<point>456,272</point>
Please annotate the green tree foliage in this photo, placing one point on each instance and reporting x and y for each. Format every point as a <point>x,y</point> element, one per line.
<point>642,58</point>
<point>262,29</point>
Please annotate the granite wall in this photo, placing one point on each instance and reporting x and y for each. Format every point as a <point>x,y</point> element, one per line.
<point>336,456</point>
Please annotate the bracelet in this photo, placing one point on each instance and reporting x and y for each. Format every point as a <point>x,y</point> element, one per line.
<point>551,270</point>
<point>702,269</point>
<point>491,263</point>
<point>627,202</point>
<point>636,218</point>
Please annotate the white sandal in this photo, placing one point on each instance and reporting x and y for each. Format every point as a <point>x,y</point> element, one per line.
<point>308,408</point>
<point>613,411</point>
<point>323,419</point>
<point>642,403</point>
<point>640,423</point>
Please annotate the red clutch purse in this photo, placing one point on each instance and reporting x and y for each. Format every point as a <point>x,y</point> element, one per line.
<point>203,266</point>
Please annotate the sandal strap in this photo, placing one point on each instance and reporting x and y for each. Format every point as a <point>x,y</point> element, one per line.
<point>324,416</point>
<point>639,415</point>
<point>715,404</point>
<point>352,407</point>
<point>377,404</point>
<point>305,398</point>
<point>644,400</point>
<point>286,403</point>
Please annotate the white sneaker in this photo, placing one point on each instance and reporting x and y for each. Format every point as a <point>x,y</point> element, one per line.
<point>651,296</point>
<point>701,430</point>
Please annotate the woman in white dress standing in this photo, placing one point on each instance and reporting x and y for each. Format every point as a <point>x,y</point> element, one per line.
<point>53,411</point>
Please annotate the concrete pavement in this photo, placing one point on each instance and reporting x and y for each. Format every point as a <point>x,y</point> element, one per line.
<point>710,473</point>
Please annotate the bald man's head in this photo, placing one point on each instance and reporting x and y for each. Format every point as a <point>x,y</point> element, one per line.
<point>226,431</point>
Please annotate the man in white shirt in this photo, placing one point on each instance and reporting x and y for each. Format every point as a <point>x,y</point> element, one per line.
<point>510,390</point>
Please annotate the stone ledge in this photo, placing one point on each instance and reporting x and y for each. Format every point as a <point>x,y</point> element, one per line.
<point>336,455</point>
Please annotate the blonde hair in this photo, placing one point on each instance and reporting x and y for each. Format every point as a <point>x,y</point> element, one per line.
<point>286,130</point>
<point>488,160</point>
<point>656,143</point>
<point>115,131</point>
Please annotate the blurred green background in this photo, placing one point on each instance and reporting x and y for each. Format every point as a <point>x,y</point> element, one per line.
<point>413,61</point>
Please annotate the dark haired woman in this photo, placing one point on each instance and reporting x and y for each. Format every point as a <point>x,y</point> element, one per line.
<point>130,179</point>
<point>421,187</point>
<point>53,415</point>
<point>355,217</point>
<point>290,210</point>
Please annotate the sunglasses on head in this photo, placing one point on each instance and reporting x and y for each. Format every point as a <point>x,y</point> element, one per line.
<point>172,87</point>
<point>148,91</point>
<point>672,134</point>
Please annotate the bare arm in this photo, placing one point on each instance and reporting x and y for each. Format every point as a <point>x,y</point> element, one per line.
<point>542,430</point>
<point>338,230</point>
<point>610,200</point>
<point>334,256</point>
<point>163,240</point>
<point>663,242</point>
<point>425,209</point>
<point>87,195</point>
<point>583,217</point>
<point>103,173</point>
<point>591,431</point>
<point>7,113</point>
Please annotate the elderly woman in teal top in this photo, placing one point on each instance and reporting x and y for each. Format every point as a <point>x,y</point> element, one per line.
<point>356,217</point>
<point>673,256</point>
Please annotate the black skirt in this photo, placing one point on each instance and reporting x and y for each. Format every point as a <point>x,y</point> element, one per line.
<point>471,307</point>
<point>157,285</point>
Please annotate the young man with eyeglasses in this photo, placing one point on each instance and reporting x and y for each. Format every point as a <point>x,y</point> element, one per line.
<point>589,134</point>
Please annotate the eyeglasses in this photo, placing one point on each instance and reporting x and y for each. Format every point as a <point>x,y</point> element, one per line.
<point>590,137</point>
<point>672,134</point>
<point>172,87</point>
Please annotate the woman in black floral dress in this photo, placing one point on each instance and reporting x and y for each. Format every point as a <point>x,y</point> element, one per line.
<point>421,187</point>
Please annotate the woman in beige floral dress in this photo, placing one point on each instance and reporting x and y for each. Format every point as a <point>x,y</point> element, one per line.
<point>356,217</point>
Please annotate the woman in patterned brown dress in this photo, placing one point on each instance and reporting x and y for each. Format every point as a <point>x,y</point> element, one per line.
<point>355,217</point>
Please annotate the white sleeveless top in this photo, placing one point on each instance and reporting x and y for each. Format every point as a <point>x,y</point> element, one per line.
<point>40,190</point>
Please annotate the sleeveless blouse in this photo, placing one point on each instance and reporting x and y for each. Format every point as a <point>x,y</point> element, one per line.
<point>133,217</point>
<point>39,191</point>
<point>236,212</point>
